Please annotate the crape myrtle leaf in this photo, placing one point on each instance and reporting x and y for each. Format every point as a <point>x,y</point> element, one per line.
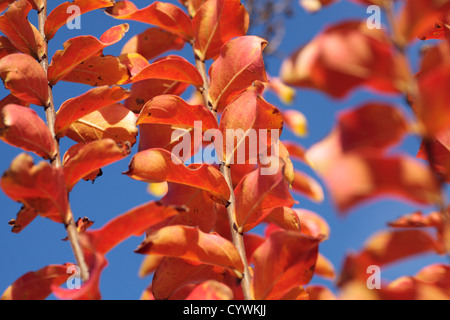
<point>285,260</point>
<point>99,71</point>
<point>114,122</point>
<point>215,23</point>
<point>79,49</point>
<point>437,274</point>
<point>78,107</point>
<point>312,224</point>
<point>418,15</point>
<point>211,290</point>
<point>439,29</point>
<point>242,123</point>
<point>418,220</point>
<point>192,5</point>
<point>24,217</point>
<point>315,5</point>
<point>145,90</point>
<point>175,273</point>
<point>370,127</point>
<point>411,288</point>
<point>90,289</point>
<point>173,110</point>
<point>296,151</point>
<point>149,265</point>
<point>4,4</point>
<point>23,128</point>
<point>317,292</point>
<point>173,68</point>
<point>296,122</point>
<point>164,15</point>
<point>6,47</point>
<point>284,92</point>
<point>284,217</point>
<point>37,4</point>
<point>201,208</point>
<point>252,242</point>
<point>324,268</point>
<point>255,194</point>
<point>344,57</point>
<point>61,14</point>
<point>296,293</point>
<point>239,65</point>
<point>37,285</point>
<point>21,33</point>
<point>41,187</point>
<point>192,244</point>
<point>83,159</point>
<point>307,186</point>
<point>131,223</point>
<point>10,99</point>
<point>134,62</point>
<point>153,42</point>
<point>369,176</point>
<point>160,165</point>
<point>25,77</point>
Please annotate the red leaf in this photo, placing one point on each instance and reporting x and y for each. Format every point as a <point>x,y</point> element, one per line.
<point>153,42</point>
<point>21,33</point>
<point>41,187</point>
<point>192,5</point>
<point>131,223</point>
<point>61,14</point>
<point>23,128</point>
<point>284,261</point>
<point>160,165</point>
<point>6,47</point>
<point>78,107</point>
<point>82,159</point>
<point>284,217</point>
<point>164,15</point>
<point>24,217</point>
<point>239,65</point>
<point>215,23</point>
<point>25,77</point>
<point>79,49</point>
<point>37,285</point>
<point>307,186</point>
<point>211,290</point>
<point>192,244</point>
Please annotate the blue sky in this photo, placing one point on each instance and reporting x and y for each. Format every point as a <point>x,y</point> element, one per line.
<point>112,194</point>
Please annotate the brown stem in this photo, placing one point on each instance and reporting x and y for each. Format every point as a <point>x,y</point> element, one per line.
<point>50,114</point>
<point>237,238</point>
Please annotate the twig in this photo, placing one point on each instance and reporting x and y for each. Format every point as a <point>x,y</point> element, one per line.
<point>50,114</point>
<point>237,238</point>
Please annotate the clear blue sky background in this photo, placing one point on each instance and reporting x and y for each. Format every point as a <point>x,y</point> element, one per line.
<point>112,194</point>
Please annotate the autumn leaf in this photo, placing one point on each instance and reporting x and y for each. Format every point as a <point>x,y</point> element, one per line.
<point>211,290</point>
<point>307,186</point>
<point>59,16</point>
<point>10,99</point>
<point>24,217</point>
<point>79,49</point>
<point>6,47</point>
<point>25,77</point>
<point>153,42</point>
<point>164,15</point>
<point>83,159</point>
<point>284,217</point>
<point>239,65</point>
<point>21,33</point>
<point>192,244</point>
<point>284,261</point>
<point>78,107</point>
<point>192,5</point>
<point>37,285</point>
<point>114,122</point>
<point>215,23</point>
<point>160,165</point>
<point>22,127</point>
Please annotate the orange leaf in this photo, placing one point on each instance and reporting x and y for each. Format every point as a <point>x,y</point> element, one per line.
<point>114,122</point>
<point>153,42</point>
<point>307,186</point>
<point>160,165</point>
<point>255,194</point>
<point>25,77</point>
<point>316,292</point>
<point>6,47</point>
<point>192,244</point>
<point>215,23</point>
<point>131,223</point>
<point>239,65</point>
<point>192,5</point>
<point>78,107</point>
<point>82,159</point>
<point>211,290</point>
<point>61,14</point>
<point>284,261</point>
<point>21,33</point>
<point>10,99</point>
<point>164,15</point>
<point>37,285</point>
<point>24,217</point>
<point>324,268</point>
<point>313,225</point>
<point>22,127</point>
<point>5,3</point>
<point>369,176</point>
<point>98,71</point>
<point>79,49</point>
<point>41,187</point>
<point>296,122</point>
<point>296,151</point>
<point>343,57</point>
<point>284,217</point>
